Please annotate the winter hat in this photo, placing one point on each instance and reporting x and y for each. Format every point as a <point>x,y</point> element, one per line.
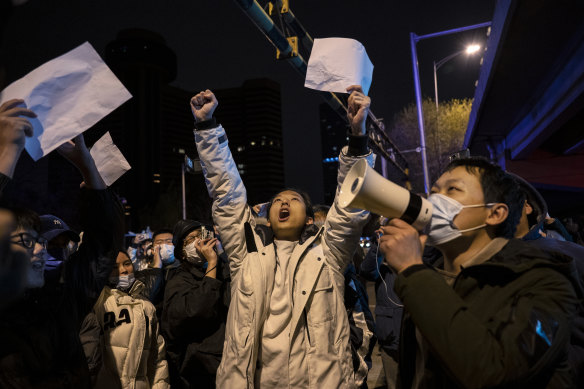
<point>181,229</point>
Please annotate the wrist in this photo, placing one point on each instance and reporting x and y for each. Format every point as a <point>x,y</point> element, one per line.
<point>212,261</point>
<point>412,266</point>
<point>358,130</point>
<point>206,124</point>
<point>8,158</point>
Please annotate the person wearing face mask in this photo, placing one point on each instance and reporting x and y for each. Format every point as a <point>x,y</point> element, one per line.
<point>162,268</point>
<point>39,332</point>
<point>196,301</point>
<point>62,242</point>
<point>498,312</point>
<point>125,329</point>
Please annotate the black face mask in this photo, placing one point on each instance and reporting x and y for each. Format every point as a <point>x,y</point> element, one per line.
<point>59,253</point>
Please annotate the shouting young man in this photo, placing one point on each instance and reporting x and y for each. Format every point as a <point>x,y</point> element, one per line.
<point>498,312</point>
<point>287,325</point>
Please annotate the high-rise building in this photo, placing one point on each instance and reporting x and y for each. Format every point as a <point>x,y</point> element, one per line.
<point>333,135</point>
<point>252,117</point>
<point>154,131</point>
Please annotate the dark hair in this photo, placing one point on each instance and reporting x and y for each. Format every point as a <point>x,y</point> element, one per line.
<point>498,187</point>
<point>321,208</point>
<point>26,219</point>
<point>123,253</point>
<point>305,198</point>
<point>161,231</point>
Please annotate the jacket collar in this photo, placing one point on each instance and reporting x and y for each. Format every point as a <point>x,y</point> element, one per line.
<point>267,235</point>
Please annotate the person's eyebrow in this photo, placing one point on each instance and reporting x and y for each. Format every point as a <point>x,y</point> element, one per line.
<point>449,181</point>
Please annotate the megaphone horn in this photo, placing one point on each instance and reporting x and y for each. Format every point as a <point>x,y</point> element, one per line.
<point>364,188</point>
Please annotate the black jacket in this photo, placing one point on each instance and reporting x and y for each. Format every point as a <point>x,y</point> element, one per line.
<point>504,323</point>
<point>576,252</point>
<point>193,324</point>
<point>39,333</point>
<point>388,309</point>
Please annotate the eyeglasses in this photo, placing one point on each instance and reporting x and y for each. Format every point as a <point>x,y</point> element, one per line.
<point>191,238</point>
<point>28,241</point>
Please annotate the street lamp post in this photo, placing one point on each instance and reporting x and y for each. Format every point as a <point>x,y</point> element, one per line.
<point>414,39</point>
<point>470,50</point>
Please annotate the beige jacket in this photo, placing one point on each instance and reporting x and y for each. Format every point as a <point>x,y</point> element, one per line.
<point>134,352</point>
<point>315,270</point>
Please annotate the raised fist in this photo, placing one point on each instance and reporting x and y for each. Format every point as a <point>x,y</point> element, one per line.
<point>203,105</point>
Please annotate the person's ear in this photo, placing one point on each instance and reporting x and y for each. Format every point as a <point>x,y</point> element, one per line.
<point>309,220</point>
<point>498,214</point>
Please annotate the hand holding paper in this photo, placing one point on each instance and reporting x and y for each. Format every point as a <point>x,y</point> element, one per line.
<point>14,128</point>
<point>69,95</point>
<point>77,153</point>
<point>358,108</point>
<point>337,63</point>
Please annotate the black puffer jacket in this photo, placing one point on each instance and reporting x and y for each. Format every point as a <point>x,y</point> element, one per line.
<point>39,333</point>
<point>193,324</point>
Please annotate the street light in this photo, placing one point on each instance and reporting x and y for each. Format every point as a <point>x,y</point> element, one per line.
<point>470,50</point>
<point>414,39</point>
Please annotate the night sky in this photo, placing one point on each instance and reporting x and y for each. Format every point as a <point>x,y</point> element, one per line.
<point>218,46</point>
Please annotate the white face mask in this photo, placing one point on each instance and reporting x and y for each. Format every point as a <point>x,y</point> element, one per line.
<point>166,253</point>
<point>192,255</point>
<point>445,209</point>
<point>123,282</point>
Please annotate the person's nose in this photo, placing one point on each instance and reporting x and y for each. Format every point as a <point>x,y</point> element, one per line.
<point>122,270</point>
<point>38,253</point>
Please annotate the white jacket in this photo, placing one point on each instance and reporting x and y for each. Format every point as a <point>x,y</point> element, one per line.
<point>134,353</point>
<point>315,270</point>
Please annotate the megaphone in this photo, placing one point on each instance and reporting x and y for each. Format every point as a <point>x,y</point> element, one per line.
<point>364,188</point>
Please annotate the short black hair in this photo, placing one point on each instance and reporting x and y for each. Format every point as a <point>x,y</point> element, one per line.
<point>303,194</point>
<point>321,208</point>
<point>26,219</point>
<point>498,187</point>
<point>161,231</point>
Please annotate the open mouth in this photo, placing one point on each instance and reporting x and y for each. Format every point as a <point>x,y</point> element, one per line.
<point>284,214</point>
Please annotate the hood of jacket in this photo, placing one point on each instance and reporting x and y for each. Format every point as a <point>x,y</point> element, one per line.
<point>518,256</point>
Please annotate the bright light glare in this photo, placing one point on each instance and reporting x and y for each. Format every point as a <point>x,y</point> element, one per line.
<point>472,49</point>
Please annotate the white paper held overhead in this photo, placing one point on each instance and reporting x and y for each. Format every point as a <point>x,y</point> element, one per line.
<point>337,63</point>
<point>69,94</point>
<point>109,160</point>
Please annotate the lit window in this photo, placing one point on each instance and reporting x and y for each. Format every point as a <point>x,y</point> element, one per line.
<point>252,143</point>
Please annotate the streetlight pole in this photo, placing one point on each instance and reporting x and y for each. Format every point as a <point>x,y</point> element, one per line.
<point>414,39</point>
<point>437,65</point>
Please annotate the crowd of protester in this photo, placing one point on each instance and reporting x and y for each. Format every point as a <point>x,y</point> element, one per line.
<point>274,295</point>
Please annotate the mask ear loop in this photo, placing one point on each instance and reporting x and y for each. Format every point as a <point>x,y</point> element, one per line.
<point>380,276</point>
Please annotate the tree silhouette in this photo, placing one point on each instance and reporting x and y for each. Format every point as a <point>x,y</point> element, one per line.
<point>444,129</point>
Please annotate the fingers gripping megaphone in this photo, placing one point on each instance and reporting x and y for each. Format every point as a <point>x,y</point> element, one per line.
<point>364,188</point>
